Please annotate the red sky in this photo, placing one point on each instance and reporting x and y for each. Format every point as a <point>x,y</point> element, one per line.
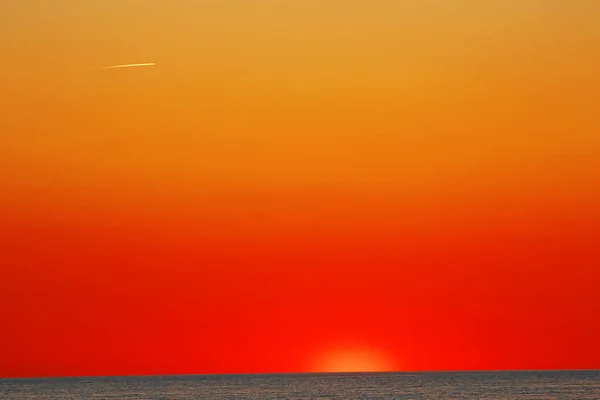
<point>298,187</point>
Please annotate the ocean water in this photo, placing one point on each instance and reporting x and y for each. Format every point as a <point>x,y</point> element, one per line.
<point>580,385</point>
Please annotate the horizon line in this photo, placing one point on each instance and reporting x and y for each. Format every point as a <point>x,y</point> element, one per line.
<point>448,371</point>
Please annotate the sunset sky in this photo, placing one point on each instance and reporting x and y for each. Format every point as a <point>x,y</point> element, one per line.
<point>298,186</point>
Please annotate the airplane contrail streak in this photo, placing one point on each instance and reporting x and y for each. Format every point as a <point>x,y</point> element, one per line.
<point>41,73</point>
<point>129,66</point>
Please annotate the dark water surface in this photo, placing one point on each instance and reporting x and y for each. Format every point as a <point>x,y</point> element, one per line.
<point>580,385</point>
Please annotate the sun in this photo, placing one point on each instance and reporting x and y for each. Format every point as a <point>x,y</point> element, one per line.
<point>353,360</point>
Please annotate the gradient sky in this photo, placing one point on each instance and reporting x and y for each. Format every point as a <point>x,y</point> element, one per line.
<point>298,186</point>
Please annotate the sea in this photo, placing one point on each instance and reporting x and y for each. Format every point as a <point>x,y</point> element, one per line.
<point>580,385</point>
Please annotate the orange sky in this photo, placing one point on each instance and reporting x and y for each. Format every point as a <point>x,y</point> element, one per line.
<point>298,186</point>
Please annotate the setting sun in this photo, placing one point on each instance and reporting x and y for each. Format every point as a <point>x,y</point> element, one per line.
<point>353,360</point>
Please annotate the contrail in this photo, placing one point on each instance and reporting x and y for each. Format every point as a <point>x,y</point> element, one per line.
<point>129,66</point>
<point>41,73</point>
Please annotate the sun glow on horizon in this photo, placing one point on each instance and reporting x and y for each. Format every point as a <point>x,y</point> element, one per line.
<point>353,360</point>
